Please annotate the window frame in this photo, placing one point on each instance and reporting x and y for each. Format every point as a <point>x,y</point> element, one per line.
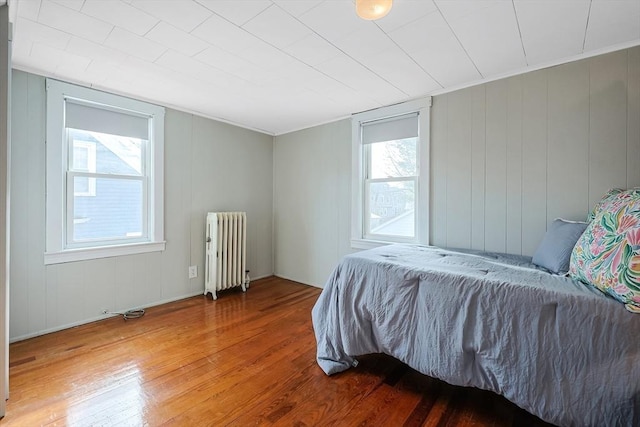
<point>58,173</point>
<point>360,239</point>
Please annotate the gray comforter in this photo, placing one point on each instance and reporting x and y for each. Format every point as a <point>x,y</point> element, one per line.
<point>559,349</point>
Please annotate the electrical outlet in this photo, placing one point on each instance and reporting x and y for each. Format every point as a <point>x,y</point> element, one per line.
<point>193,271</point>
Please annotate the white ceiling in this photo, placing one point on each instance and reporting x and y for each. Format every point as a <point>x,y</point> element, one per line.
<point>283,65</point>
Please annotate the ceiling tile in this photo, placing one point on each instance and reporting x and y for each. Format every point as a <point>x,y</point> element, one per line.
<point>456,9</point>
<point>121,15</point>
<point>183,14</point>
<point>277,27</point>
<point>224,34</point>
<point>266,56</point>
<point>447,70</point>
<point>292,75</point>
<point>20,54</point>
<point>71,4</point>
<point>72,22</point>
<point>297,7</point>
<point>429,31</point>
<point>56,58</point>
<point>222,60</point>
<point>134,45</point>
<point>136,73</point>
<point>364,42</point>
<point>334,20</point>
<point>404,12</point>
<point>178,62</point>
<point>433,45</point>
<point>258,76</point>
<point>312,50</point>
<point>230,10</point>
<point>36,32</point>
<point>354,75</point>
<point>612,22</point>
<point>337,92</point>
<point>178,40</point>
<point>299,74</point>
<point>489,35</point>
<point>564,24</point>
<point>99,71</point>
<point>29,9</point>
<point>397,68</point>
<point>86,48</point>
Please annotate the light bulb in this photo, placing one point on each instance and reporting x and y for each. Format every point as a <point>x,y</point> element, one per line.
<point>373,9</point>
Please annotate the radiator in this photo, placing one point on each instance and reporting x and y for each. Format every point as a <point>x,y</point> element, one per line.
<point>226,252</point>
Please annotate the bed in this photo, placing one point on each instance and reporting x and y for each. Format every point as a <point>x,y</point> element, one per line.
<point>559,349</point>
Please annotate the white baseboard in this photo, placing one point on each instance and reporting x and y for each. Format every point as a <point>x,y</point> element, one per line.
<point>96,318</point>
<point>106,316</point>
<point>298,281</point>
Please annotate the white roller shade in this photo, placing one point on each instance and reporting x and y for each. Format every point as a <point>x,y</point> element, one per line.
<point>401,127</point>
<point>96,119</point>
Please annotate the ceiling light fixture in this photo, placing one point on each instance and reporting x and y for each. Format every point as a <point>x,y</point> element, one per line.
<point>373,9</point>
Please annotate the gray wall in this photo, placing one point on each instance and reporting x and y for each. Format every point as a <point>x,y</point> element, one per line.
<point>312,201</point>
<point>510,156</point>
<point>507,157</point>
<point>209,166</point>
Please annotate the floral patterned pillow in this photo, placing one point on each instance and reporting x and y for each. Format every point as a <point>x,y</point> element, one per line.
<point>607,255</point>
<point>602,204</point>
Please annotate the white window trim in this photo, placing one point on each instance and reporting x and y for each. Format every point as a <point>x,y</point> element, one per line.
<point>423,107</point>
<point>56,161</point>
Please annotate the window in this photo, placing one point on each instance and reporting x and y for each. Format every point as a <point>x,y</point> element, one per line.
<point>390,175</point>
<point>104,174</point>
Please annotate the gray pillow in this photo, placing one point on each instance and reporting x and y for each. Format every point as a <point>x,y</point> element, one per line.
<point>554,251</point>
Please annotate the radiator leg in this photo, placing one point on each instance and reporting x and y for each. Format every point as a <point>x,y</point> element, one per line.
<point>213,294</point>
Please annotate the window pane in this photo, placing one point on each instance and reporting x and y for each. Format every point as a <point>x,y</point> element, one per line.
<point>394,159</point>
<point>84,186</point>
<point>81,185</point>
<point>115,211</point>
<point>392,208</point>
<point>111,154</point>
<point>80,157</point>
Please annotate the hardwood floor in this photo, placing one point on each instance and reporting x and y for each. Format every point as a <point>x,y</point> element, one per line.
<point>245,359</point>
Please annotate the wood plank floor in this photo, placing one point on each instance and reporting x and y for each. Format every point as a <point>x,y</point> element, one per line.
<point>245,359</point>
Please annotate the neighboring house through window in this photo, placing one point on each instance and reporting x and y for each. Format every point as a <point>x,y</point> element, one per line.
<point>83,158</point>
<point>104,174</point>
<point>390,175</point>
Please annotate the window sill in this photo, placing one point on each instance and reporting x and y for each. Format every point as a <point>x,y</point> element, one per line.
<point>84,254</point>
<point>368,244</point>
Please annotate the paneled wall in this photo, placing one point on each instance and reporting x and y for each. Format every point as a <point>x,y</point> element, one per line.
<point>209,166</point>
<point>507,157</point>
<point>312,203</point>
<point>511,155</point>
